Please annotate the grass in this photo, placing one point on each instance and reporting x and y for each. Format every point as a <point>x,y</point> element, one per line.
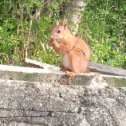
<point>103,26</point>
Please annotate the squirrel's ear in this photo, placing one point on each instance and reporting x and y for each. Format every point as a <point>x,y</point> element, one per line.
<point>65,23</point>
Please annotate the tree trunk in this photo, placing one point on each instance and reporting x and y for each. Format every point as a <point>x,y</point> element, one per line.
<point>73,12</point>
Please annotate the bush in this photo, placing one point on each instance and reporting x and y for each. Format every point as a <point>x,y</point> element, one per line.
<point>21,34</point>
<point>103,25</point>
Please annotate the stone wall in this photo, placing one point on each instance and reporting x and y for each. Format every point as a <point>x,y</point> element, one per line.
<point>41,97</point>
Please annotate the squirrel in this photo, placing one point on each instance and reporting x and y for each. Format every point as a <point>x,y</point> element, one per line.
<point>74,51</point>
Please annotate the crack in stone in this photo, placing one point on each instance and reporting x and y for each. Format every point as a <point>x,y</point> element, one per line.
<point>108,111</point>
<point>121,103</point>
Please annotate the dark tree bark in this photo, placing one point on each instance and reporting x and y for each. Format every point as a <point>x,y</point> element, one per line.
<point>106,69</point>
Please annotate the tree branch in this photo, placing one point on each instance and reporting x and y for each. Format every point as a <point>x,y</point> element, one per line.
<point>92,66</point>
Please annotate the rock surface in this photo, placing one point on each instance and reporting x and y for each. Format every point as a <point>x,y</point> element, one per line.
<point>45,102</point>
<point>41,104</point>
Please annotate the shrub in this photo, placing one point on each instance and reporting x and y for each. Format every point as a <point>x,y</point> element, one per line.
<point>103,25</point>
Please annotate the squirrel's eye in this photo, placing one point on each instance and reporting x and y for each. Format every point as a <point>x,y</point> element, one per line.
<point>58,31</point>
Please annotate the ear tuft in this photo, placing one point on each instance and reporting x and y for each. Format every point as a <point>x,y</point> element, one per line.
<point>57,23</point>
<point>65,23</point>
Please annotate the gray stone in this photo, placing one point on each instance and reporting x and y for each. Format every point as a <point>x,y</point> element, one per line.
<point>41,104</point>
<point>39,97</point>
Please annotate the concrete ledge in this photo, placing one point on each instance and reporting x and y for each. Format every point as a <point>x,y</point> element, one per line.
<point>52,74</point>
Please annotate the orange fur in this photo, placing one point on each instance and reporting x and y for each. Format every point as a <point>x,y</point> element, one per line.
<point>74,51</point>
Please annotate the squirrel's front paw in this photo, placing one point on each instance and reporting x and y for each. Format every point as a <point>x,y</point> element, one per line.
<point>53,43</point>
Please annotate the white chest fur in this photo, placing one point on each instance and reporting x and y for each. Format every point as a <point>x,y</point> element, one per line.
<point>66,61</point>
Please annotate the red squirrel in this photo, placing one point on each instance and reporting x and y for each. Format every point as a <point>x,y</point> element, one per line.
<point>74,51</point>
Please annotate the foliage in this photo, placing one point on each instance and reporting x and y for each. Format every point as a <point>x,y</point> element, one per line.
<point>103,25</point>
<point>21,35</point>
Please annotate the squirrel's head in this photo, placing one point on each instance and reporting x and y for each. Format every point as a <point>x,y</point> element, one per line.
<point>60,31</point>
